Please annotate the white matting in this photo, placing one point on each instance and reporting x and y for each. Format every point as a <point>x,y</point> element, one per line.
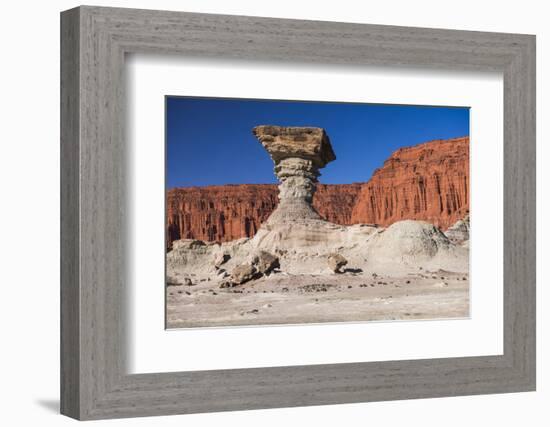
<point>152,349</point>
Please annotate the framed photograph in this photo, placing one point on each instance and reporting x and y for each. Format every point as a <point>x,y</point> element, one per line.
<point>367,245</point>
<point>262,213</point>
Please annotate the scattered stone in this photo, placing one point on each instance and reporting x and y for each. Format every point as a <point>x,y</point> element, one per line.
<point>188,282</point>
<point>171,281</point>
<point>265,262</point>
<point>244,273</point>
<point>188,293</point>
<point>316,287</point>
<point>227,284</point>
<point>440,285</point>
<point>253,311</point>
<point>408,281</point>
<point>221,259</point>
<point>349,286</point>
<point>336,262</point>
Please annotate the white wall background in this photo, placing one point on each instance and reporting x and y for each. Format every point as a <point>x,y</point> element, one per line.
<point>29,215</point>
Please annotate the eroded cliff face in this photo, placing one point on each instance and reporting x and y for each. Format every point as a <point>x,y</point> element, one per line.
<point>428,182</point>
<point>218,213</point>
<point>335,202</point>
<point>228,212</point>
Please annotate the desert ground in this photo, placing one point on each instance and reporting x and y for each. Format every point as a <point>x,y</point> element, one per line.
<point>410,270</point>
<point>294,299</point>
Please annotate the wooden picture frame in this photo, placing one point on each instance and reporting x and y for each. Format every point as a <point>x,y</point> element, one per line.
<point>94,382</point>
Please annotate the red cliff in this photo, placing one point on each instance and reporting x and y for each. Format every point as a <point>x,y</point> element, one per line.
<point>218,213</point>
<point>428,182</point>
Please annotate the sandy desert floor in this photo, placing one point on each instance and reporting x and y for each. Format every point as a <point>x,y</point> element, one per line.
<point>296,299</point>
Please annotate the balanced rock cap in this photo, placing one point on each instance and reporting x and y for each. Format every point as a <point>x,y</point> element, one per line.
<point>309,143</point>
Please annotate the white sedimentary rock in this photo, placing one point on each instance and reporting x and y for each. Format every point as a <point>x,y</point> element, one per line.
<point>298,153</point>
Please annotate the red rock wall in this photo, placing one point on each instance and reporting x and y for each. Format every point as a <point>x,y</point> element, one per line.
<point>228,212</point>
<point>427,182</point>
<point>335,202</point>
<point>218,213</point>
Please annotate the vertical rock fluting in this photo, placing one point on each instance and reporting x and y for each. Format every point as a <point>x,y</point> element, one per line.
<point>427,182</point>
<point>218,213</point>
<point>334,202</point>
<point>223,213</point>
<point>298,153</point>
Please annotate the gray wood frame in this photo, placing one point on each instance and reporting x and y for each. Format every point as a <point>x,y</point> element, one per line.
<point>94,382</point>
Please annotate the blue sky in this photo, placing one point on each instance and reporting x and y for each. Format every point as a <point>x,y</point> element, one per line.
<point>209,141</point>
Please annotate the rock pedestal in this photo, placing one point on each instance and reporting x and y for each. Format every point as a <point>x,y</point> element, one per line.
<point>298,154</point>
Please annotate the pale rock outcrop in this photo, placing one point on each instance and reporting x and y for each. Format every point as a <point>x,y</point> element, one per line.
<point>265,262</point>
<point>221,259</point>
<point>459,232</point>
<point>336,262</point>
<point>244,273</point>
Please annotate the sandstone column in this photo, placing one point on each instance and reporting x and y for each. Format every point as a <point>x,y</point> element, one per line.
<point>298,153</point>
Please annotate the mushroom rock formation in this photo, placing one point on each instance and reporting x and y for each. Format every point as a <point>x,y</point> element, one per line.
<point>295,226</point>
<point>298,153</point>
